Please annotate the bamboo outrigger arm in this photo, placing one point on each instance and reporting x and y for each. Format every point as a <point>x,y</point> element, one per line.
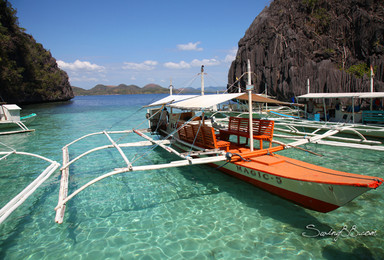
<point>186,160</point>
<point>179,163</point>
<point>24,194</point>
<point>66,163</point>
<point>98,133</point>
<point>355,131</point>
<point>335,138</point>
<point>141,143</point>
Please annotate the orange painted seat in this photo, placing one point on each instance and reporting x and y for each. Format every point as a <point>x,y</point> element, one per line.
<point>202,136</point>
<point>262,130</point>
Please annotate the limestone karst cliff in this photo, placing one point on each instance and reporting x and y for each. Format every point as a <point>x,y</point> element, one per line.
<point>332,43</point>
<point>28,72</point>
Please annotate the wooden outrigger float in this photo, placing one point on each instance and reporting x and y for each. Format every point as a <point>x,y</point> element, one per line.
<point>185,161</point>
<point>186,133</point>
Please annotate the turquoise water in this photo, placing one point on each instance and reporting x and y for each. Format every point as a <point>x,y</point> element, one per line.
<point>181,213</point>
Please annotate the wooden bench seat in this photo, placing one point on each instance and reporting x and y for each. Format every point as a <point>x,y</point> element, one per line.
<point>262,130</point>
<point>202,136</point>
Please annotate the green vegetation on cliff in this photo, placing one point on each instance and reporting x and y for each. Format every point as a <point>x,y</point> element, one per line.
<point>331,43</point>
<point>28,72</point>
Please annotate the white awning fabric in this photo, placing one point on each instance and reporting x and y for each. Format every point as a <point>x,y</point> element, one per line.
<point>170,99</point>
<point>344,95</point>
<point>12,107</point>
<point>205,102</point>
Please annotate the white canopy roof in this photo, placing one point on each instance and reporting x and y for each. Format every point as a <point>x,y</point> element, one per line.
<point>170,99</point>
<point>12,107</point>
<point>344,95</point>
<point>205,102</point>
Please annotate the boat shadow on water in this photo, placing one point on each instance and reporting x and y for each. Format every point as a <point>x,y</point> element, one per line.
<point>266,204</point>
<point>202,180</point>
<point>151,189</point>
<point>361,252</point>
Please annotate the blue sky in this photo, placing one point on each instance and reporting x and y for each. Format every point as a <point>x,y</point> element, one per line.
<point>140,42</point>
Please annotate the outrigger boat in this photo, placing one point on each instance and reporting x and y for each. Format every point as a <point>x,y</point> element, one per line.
<point>351,118</point>
<point>10,118</point>
<point>184,131</point>
<point>366,122</point>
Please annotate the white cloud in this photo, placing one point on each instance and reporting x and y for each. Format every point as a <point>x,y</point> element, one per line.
<point>180,65</point>
<point>189,46</point>
<point>194,63</point>
<point>205,62</point>
<point>146,65</point>
<point>231,56</point>
<point>79,65</point>
<point>78,79</point>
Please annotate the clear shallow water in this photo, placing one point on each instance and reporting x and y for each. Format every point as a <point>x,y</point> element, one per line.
<point>181,213</point>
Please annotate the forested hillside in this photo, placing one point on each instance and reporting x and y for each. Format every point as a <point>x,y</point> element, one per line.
<point>28,72</point>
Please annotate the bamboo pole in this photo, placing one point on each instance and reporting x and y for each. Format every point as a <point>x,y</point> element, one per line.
<point>334,138</point>
<point>249,87</point>
<point>141,143</point>
<point>63,192</point>
<point>315,138</point>
<point>299,148</point>
<point>99,133</point>
<point>168,149</point>
<point>119,149</point>
<point>143,168</point>
<point>7,154</point>
<point>24,194</point>
<point>17,132</point>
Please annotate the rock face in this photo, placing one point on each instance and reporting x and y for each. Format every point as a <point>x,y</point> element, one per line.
<point>28,72</point>
<point>332,43</point>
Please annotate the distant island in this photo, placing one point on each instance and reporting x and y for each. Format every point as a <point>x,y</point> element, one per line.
<point>123,89</point>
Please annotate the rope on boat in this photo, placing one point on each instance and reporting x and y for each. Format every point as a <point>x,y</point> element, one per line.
<point>237,80</point>
<point>9,153</point>
<point>129,116</point>
<point>229,156</point>
<point>168,136</point>
<point>198,130</point>
<point>188,83</point>
<point>142,122</point>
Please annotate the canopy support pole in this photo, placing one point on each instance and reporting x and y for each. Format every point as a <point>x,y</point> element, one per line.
<point>249,87</point>
<point>325,110</point>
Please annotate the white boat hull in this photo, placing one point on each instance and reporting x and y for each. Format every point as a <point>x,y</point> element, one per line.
<point>316,196</point>
<point>321,189</point>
